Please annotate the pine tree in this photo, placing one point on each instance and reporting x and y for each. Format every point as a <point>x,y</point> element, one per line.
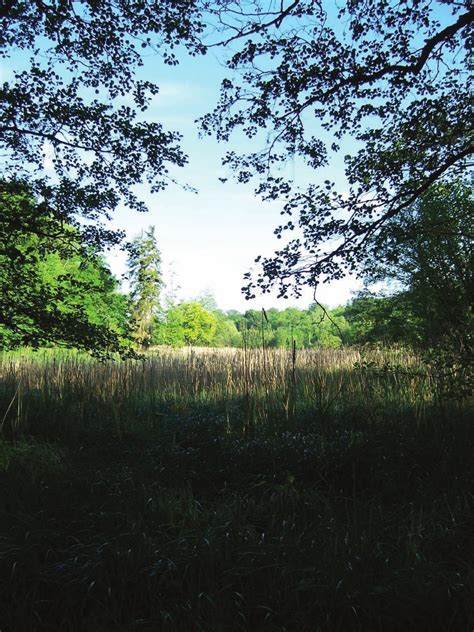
<point>144,268</point>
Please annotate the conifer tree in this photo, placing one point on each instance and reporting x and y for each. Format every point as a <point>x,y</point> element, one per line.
<point>144,268</point>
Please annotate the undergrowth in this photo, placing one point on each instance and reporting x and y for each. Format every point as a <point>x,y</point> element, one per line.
<point>214,492</point>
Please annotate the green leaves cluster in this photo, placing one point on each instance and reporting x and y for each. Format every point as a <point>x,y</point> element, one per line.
<point>144,274</point>
<point>187,324</point>
<point>53,288</point>
<point>391,78</point>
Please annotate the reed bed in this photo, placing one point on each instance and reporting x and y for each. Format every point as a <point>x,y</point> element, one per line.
<point>214,490</point>
<point>265,384</point>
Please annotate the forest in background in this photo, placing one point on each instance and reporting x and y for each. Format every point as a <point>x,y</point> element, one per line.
<point>61,293</point>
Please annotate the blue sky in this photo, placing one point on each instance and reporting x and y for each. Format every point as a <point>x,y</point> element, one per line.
<point>210,239</point>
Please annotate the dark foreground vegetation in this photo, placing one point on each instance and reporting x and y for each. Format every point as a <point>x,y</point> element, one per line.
<point>244,490</point>
<point>234,491</point>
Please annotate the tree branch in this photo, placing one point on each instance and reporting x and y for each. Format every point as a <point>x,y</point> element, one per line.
<point>277,21</point>
<point>360,79</point>
<point>51,137</point>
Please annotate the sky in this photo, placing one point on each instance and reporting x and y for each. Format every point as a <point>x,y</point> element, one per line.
<point>209,239</point>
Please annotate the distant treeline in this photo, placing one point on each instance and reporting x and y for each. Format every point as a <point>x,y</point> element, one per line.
<point>56,289</point>
<point>365,319</point>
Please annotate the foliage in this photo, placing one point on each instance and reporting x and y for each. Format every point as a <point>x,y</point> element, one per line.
<point>429,253</point>
<point>307,76</point>
<point>386,319</point>
<point>313,327</point>
<point>428,264</point>
<point>73,133</point>
<point>53,291</point>
<point>227,334</point>
<point>65,109</point>
<point>187,324</point>
<point>394,79</point>
<point>182,493</point>
<point>144,274</point>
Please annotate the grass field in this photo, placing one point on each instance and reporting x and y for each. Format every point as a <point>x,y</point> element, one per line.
<point>222,490</point>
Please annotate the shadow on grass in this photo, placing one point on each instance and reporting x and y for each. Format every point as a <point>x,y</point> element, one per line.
<point>178,516</point>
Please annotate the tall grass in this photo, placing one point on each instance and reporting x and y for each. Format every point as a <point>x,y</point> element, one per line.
<point>265,384</point>
<point>233,489</point>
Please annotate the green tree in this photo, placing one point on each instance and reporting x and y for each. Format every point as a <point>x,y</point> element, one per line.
<point>389,319</point>
<point>144,274</point>
<point>251,328</point>
<point>65,102</point>
<point>188,324</point>
<point>51,290</point>
<point>429,254</point>
<point>393,76</point>
<point>227,334</point>
<point>329,327</point>
<point>307,328</point>
<point>288,326</point>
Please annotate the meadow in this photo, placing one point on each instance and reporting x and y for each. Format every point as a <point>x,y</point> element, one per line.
<point>248,490</point>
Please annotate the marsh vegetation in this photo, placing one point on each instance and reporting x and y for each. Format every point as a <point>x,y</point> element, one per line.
<point>234,490</point>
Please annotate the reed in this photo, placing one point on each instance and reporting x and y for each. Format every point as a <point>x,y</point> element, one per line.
<point>235,489</point>
<point>73,389</point>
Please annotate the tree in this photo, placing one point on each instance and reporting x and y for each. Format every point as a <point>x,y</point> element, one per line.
<point>429,254</point>
<point>67,104</point>
<point>73,134</point>
<point>392,76</point>
<point>144,274</point>
<point>227,334</point>
<point>291,325</point>
<point>187,324</point>
<point>307,328</point>
<point>50,291</point>
<point>387,319</point>
<point>329,327</point>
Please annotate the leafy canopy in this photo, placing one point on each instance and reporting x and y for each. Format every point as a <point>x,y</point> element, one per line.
<point>188,324</point>
<point>390,75</point>
<point>79,106</point>
<point>53,292</point>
